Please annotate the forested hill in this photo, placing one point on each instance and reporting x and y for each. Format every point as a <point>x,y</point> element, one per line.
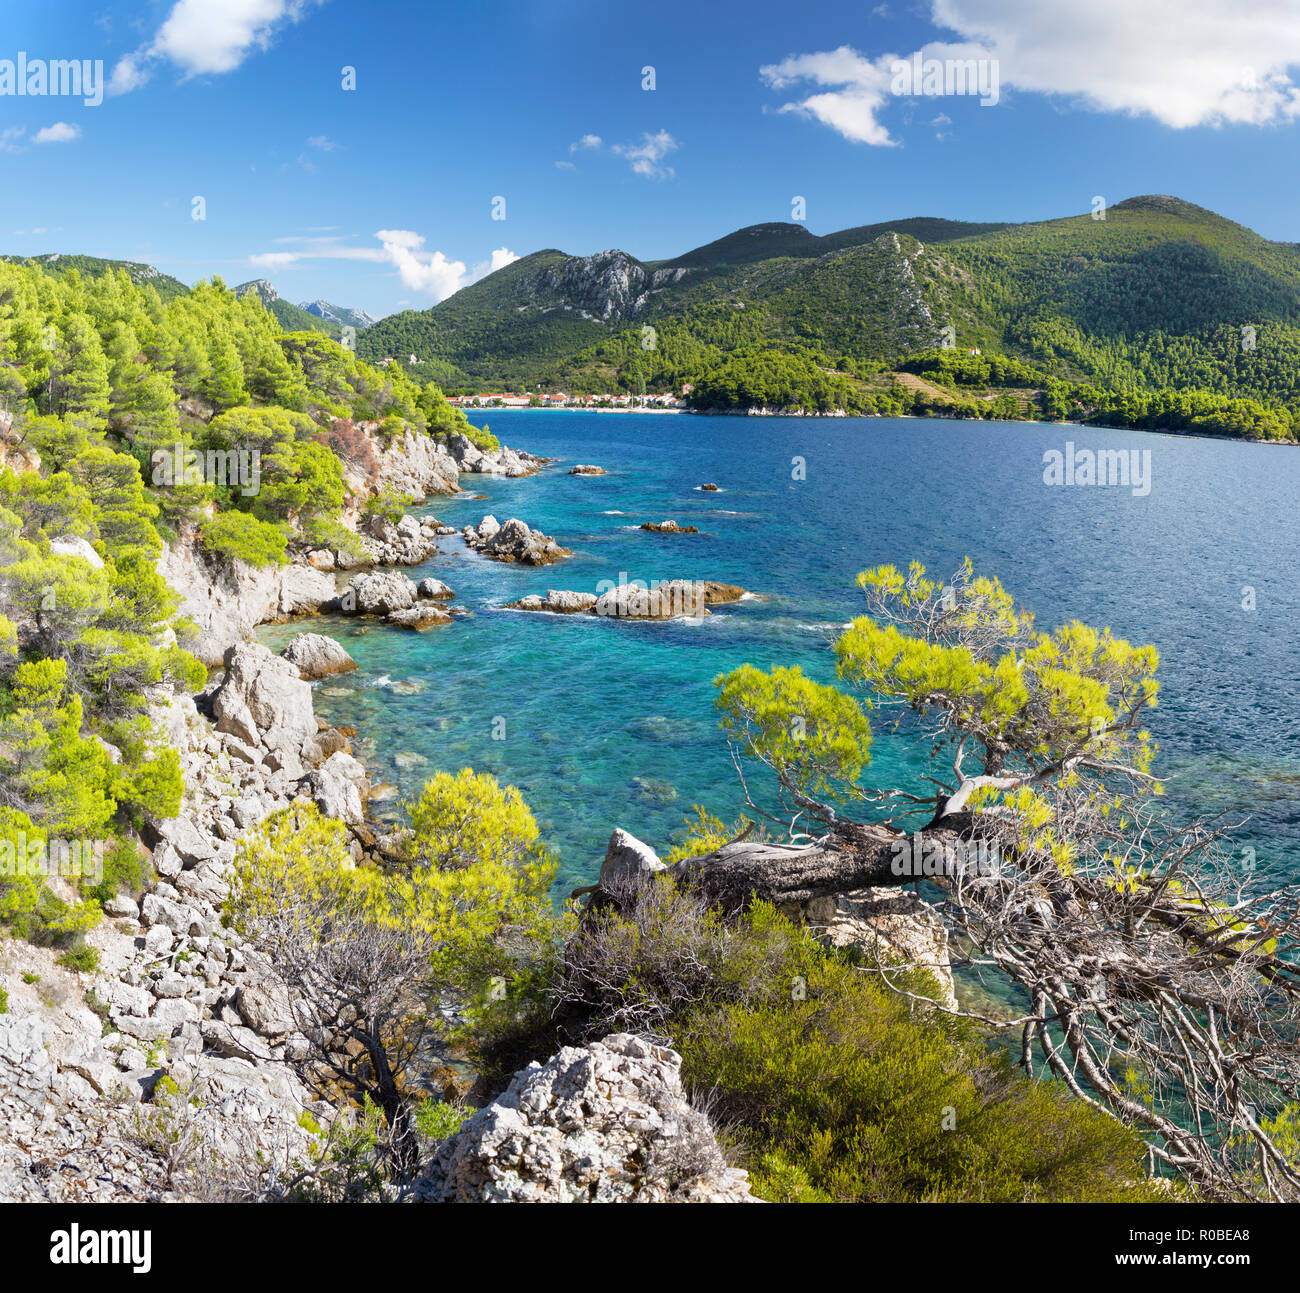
<point>1149,316</point>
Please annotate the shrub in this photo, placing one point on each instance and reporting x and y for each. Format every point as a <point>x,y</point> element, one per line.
<point>4,1002</point>
<point>236,536</point>
<point>848,1094</point>
<point>82,957</point>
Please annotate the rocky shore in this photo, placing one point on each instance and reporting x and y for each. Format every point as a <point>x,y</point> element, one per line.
<point>184,1047</point>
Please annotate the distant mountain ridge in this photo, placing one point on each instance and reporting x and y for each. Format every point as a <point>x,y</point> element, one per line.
<point>1072,294</point>
<point>339,314</point>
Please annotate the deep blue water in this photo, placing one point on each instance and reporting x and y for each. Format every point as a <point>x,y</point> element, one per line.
<point>609,723</point>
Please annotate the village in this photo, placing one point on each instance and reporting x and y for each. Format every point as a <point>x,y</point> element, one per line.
<point>663,403</point>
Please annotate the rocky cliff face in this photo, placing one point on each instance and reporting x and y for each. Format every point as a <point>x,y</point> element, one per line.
<point>609,285</point>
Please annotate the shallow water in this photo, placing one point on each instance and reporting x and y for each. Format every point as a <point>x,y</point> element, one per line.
<point>608,723</point>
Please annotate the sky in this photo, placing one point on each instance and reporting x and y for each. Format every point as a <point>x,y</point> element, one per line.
<point>466,134</point>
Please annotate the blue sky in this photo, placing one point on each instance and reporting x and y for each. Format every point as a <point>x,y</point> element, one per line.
<point>382,196</point>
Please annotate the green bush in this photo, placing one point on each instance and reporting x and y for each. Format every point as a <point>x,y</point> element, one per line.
<point>847,1093</point>
<point>4,1002</point>
<point>83,958</point>
<point>236,536</point>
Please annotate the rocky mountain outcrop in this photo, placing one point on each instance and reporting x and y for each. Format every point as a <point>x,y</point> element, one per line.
<point>14,454</point>
<point>513,541</point>
<point>183,1039</point>
<point>604,1123</point>
<point>609,284</point>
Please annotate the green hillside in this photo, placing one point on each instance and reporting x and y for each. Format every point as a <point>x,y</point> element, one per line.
<point>291,318</point>
<point>93,267</point>
<point>1159,298</point>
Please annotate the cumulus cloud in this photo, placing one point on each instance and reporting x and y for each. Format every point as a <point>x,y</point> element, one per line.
<point>61,132</point>
<point>587,143</point>
<point>1182,63</point>
<point>647,156</point>
<point>207,37</point>
<point>430,273</point>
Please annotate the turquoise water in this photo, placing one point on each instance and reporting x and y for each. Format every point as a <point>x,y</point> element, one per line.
<point>608,723</point>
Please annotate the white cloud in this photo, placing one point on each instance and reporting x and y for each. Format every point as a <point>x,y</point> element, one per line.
<point>273,260</point>
<point>206,37</point>
<point>429,272</point>
<point>323,143</point>
<point>588,143</point>
<point>9,138</point>
<point>1181,62</point>
<point>61,132</point>
<point>499,259</point>
<point>649,153</point>
<point>566,166</point>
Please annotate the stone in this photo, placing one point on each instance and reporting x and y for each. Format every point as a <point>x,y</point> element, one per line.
<point>379,593</point>
<point>668,527</point>
<point>424,616</point>
<point>69,546</point>
<point>434,588</point>
<point>678,597</point>
<point>586,469</point>
<point>559,601</point>
<point>604,1123</point>
<point>514,541</point>
<point>316,656</point>
<point>628,862</point>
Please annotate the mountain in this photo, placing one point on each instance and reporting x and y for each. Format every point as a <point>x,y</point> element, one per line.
<point>291,317</point>
<point>95,266</point>
<point>339,314</point>
<point>1153,295</point>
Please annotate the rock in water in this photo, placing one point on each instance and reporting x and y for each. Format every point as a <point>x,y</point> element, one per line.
<point>559,601</point>
<point>604,1123</point>
<point>586,469</point>
<point>668,527</point>
<point>513,541</point>
<point>316,656</point>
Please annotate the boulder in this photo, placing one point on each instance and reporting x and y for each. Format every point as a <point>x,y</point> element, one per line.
<point>337,788</point>
<point>424,616</point>
<point>559,601</point>
<point>677,597</point>
<point>513,541</point>
<point>378,593</point>
<point>433,589</point>
<point>604,1123</point>
<point>628,862</point>
<point>586,469</point>
<point>68,546</point>
<point>316,656</point>
<point>264,703</point>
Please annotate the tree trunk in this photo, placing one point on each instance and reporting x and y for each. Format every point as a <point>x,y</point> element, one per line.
<point>854,857</point>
